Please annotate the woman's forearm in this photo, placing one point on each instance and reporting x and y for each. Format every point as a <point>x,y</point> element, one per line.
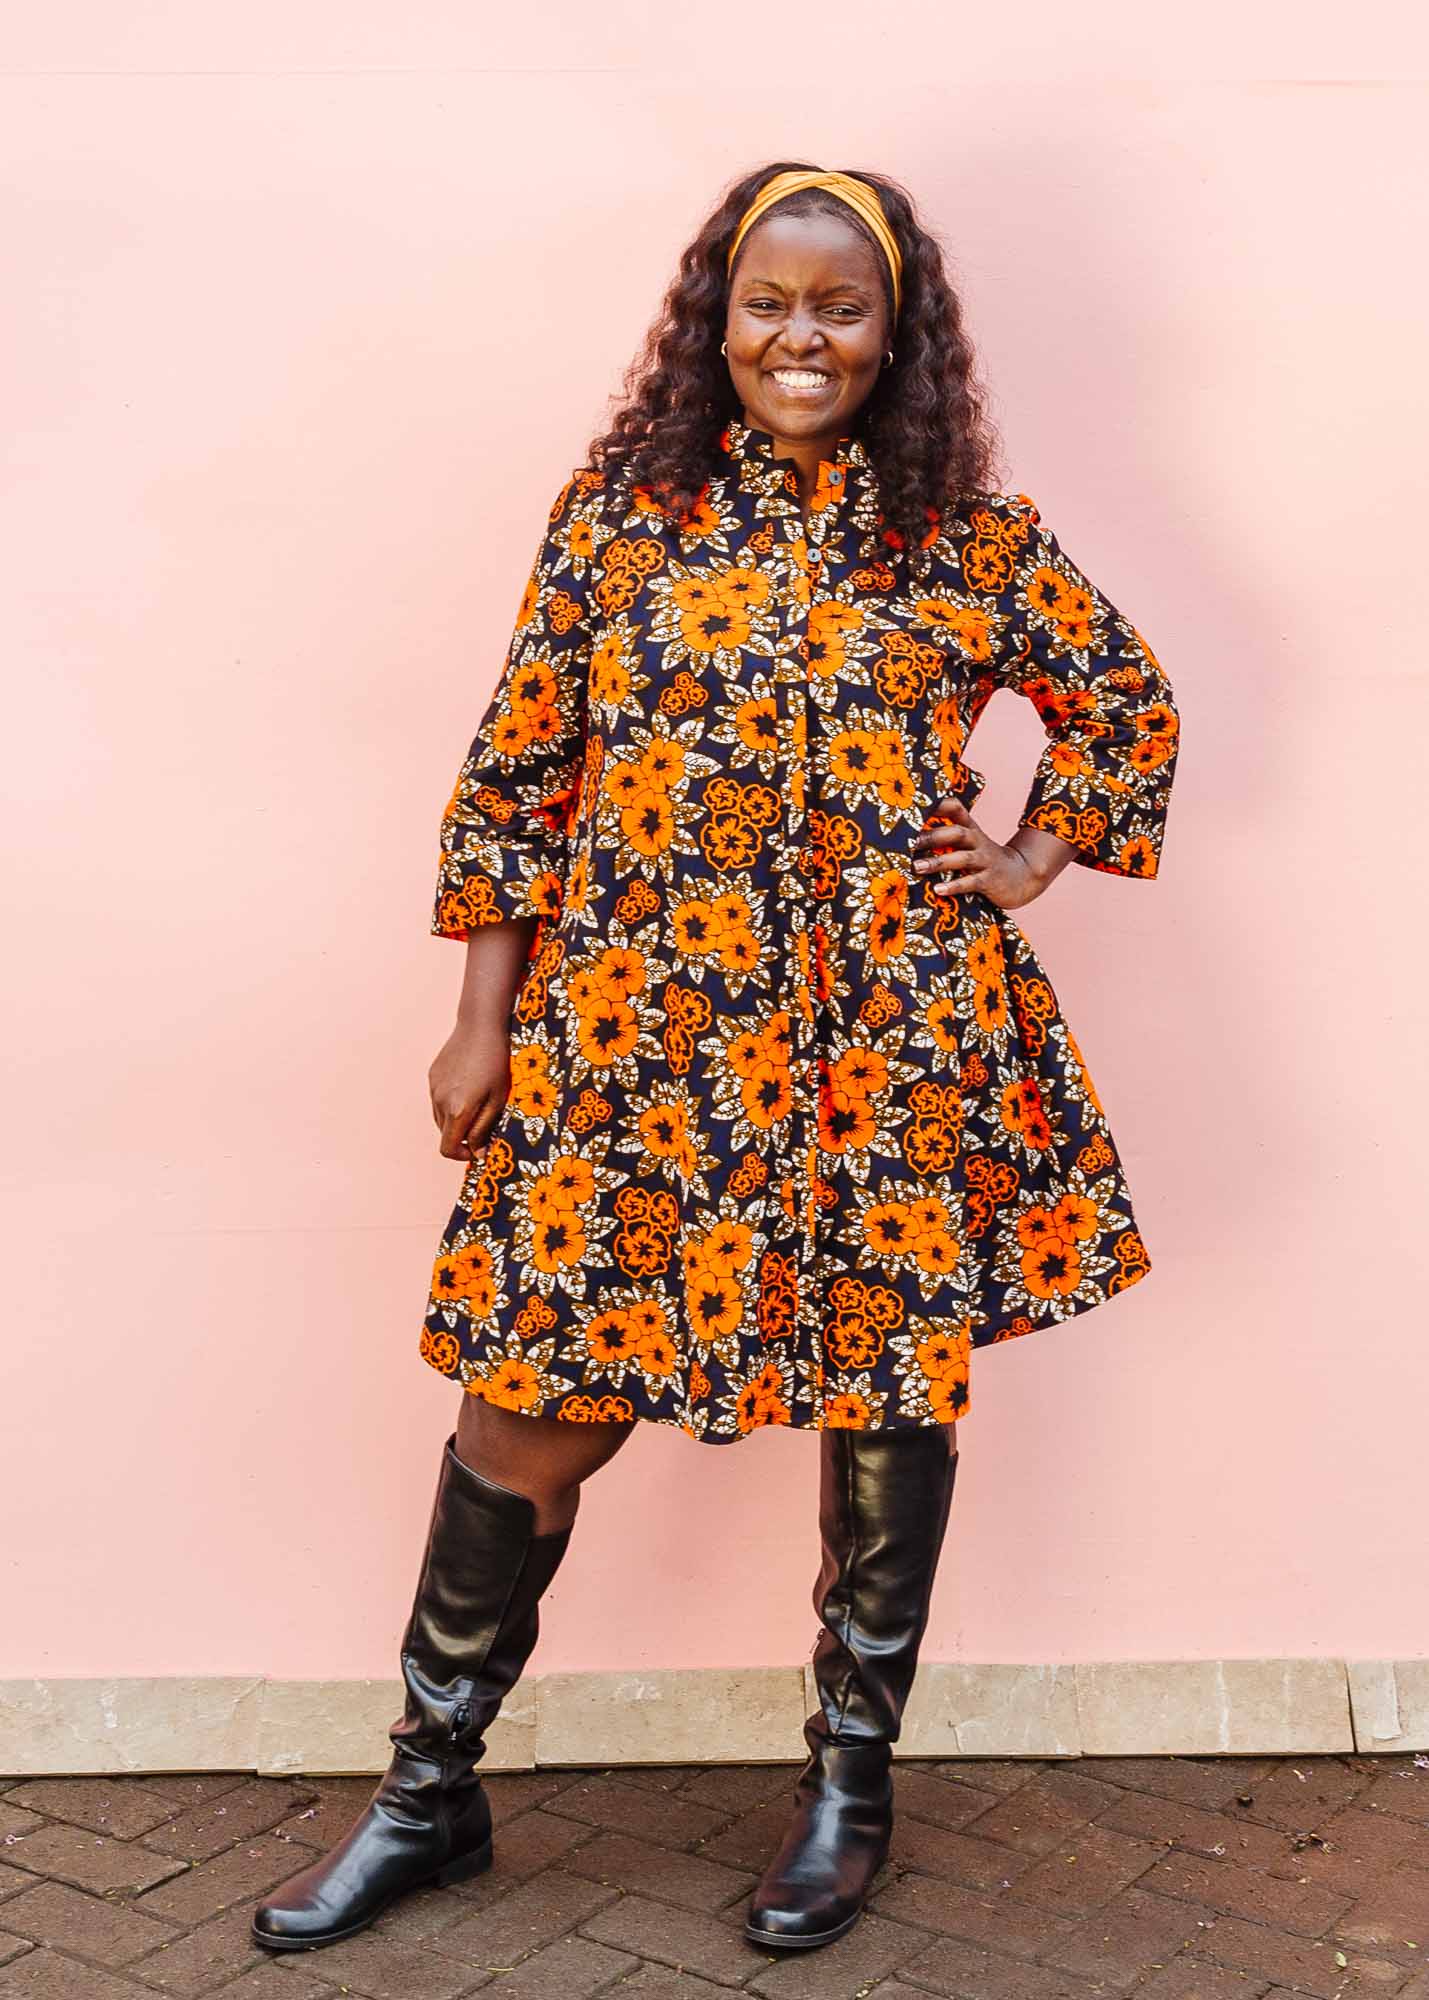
<point>1044,853</point>
<point>496,956</point>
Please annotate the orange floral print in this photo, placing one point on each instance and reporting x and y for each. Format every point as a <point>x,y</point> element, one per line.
<point>788,1136</point>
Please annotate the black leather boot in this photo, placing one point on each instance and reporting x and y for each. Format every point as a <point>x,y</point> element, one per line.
<point>883,1509</point>
<point>472,1629</point>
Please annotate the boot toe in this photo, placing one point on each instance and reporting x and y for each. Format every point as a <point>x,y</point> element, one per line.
<point>327,1900</point>
<point>282,1927</point>
<point>794,1922</point>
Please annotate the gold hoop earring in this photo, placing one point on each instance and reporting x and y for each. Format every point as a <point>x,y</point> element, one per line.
<point>724,349</point>
<point>888,358</point>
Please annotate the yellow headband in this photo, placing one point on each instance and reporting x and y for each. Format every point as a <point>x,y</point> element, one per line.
<point>859,196</point>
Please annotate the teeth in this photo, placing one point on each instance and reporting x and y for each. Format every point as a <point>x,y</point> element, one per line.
<point>799,378</point>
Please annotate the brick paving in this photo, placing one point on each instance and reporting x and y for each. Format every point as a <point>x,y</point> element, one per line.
<point>1166,1878</point>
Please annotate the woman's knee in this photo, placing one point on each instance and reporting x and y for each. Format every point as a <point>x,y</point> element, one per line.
<point>541,1457</point>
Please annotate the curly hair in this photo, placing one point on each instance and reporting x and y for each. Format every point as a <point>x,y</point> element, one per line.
<point>925,425</point>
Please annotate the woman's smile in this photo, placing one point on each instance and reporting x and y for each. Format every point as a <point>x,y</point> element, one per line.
<point>802,382</point>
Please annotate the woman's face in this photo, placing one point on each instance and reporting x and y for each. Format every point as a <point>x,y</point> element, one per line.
<point>806,326</point>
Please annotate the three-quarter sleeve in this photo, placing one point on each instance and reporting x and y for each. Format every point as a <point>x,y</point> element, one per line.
<point>506,831</point>
<point>1103,782</point>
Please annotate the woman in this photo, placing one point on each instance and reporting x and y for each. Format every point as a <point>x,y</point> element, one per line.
<point>770,1113</point>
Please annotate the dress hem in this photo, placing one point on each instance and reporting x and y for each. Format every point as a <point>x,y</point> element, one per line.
<point>1014,1332</point>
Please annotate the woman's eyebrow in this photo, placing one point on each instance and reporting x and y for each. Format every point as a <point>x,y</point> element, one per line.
<point>857,285</point>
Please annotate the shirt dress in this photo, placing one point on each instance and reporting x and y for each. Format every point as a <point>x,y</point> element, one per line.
<point>788,1135</point>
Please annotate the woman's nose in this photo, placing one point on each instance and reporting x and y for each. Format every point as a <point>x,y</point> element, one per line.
<point>801,331</point>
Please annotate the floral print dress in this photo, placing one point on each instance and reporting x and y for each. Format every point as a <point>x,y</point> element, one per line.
<point>788,1135</point>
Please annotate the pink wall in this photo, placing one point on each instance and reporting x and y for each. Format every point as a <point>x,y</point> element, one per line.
<point>320,305</point>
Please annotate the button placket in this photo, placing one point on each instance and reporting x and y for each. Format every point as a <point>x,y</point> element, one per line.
<point>803,546</point>
<point>803,560</point>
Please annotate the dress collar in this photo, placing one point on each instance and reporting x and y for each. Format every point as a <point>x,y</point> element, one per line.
<point>760,471</point>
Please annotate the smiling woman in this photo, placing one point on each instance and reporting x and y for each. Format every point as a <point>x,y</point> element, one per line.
<point>808,323</point>
<point>922,417</point>
<point>769,1112</point>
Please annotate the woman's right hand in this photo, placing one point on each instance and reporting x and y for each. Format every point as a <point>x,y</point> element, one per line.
<point>471,1077</point>
<point>470,1081</point>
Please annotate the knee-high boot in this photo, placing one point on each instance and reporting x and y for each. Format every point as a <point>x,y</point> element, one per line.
<point>473,1625</point>
<point>884,1498</point>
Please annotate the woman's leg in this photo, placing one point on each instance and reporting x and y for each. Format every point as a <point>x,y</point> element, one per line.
<point>539,1456</point>
<point>506,1499</point>
<point>884,1498</point>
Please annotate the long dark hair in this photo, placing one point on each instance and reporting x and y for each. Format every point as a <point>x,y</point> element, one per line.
<point>925,425</point>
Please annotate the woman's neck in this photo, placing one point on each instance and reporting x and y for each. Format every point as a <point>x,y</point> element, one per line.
<point>808,455</point>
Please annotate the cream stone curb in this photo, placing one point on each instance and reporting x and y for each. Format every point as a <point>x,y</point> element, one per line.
<point>725,1715</point>
<point>990,1711</point>
<point>1208,1708</point>
<point>1389,1704</point>
<point>178,1724</point>
<point>692,1715</point>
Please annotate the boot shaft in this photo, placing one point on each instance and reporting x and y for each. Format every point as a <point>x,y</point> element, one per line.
<point>883,1510</point>
<point>884,1500</point>
<point>475,1617</point>
<point>471,1630</point>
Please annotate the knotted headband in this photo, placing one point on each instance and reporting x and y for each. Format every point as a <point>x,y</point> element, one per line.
<point>858,196</point>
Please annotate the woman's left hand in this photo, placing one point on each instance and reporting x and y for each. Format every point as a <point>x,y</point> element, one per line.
<point>960,856</point>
